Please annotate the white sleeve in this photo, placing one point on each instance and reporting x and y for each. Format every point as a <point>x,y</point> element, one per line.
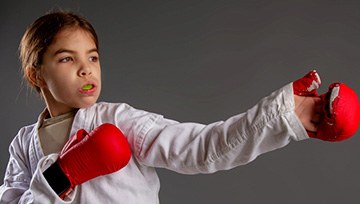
<point>20,186</point>
<point>192,148</point>
<point>41,190</point>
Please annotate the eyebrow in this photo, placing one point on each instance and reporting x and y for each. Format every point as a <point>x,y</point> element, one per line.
<point>61,50</point>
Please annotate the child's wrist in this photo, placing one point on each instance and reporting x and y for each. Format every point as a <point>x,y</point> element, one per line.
<point>57,179</point>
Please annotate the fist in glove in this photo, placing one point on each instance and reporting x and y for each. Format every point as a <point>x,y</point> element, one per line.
<point>88,155</point>
<point>334,115</point>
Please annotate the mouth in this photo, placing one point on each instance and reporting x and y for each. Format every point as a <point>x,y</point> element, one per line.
<point>88,89</point>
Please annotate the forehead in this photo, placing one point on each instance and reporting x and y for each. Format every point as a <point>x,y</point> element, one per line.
<point>73,37</point>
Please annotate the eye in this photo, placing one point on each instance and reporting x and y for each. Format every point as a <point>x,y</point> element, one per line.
<point>65,59</point>
<point>94,58</point>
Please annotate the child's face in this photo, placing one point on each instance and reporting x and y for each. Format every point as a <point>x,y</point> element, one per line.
<point>71,72</point>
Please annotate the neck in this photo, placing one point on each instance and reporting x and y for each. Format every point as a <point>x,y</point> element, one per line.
<point>54,107</point>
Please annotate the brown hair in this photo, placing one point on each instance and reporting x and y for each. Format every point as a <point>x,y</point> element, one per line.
<point>39,36</point>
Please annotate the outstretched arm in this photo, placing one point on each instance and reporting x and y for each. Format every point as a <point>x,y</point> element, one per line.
<point>192,148</point>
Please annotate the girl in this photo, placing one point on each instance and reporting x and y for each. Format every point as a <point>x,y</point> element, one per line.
<point>60,59</point>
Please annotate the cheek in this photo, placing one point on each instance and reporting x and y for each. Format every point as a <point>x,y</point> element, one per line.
<point>59,84</point>
<point>98,73</point>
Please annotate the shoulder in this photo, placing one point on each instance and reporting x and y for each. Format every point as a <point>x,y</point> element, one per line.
<point>25,132</point>
<point>126,117</point>
<point>124,110</point>
<point>111,106</point>
<point>23,138</point>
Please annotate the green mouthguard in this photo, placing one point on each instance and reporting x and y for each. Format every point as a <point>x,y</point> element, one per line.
<point>87,87</point>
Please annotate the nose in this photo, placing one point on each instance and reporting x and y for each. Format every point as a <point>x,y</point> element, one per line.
<point>84,70</point>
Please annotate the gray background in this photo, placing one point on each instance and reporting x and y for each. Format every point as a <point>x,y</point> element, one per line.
<point>204,61</point>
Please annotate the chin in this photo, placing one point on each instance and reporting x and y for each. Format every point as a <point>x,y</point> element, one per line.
<point>86,104</point>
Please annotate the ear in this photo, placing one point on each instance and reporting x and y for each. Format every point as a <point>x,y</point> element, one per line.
<point>35,77</point>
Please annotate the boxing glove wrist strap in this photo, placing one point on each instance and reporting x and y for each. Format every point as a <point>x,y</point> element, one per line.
<point>57,179</point>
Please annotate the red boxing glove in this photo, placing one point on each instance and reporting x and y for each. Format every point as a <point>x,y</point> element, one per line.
<point>85,156</point>
<point>307,85</point>
<point>340,105</point>
<point>341,113</point>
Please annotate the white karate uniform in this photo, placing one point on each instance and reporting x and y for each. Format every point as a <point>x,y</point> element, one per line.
<point>156,142</point>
